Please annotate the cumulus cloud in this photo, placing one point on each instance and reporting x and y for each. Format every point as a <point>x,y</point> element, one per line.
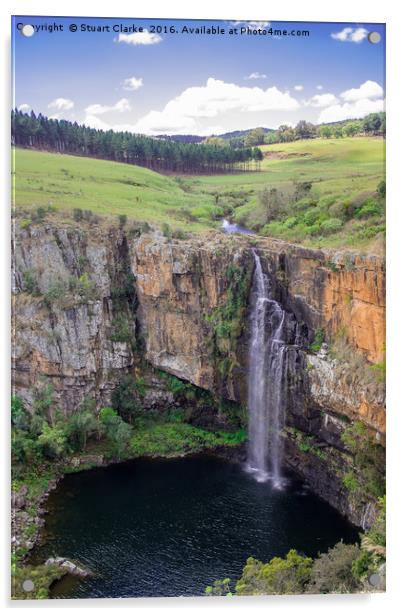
<point>209,101</point>
<point>24,107</point>
<point>96,109</point>
<point>139,38</point>
<point>322,100</point>
<point>350,35</point>
<point>368,89</point>
<point>298,88</point>
<point>133,83</point>
<point>256,75</point>
<point>61,104</point>
<point>349,111</point>
<point>255,25</point>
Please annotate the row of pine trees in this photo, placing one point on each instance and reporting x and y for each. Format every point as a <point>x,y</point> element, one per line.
<point>40,132</point>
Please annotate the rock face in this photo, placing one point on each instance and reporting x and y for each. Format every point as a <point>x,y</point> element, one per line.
<point>91,303</point>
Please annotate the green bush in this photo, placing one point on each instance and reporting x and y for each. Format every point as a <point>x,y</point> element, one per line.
<point>280,576</point>
<point>319,338</point>
<point>332,225</point>
<point>332,572</point>
<point>125,399</point>
<point>30,283</point>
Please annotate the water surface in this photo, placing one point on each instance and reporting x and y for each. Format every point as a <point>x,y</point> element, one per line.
<point>171,527</point>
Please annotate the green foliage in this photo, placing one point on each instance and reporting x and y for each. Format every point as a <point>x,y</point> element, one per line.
<point>332,572</point>
<point>288,575</point>
<point>19,415</point>
<point>52,441</point>
<point>377,532</point>
<point>122,330</point>
<point>227,321</point>
<point>319,338</point>
<point>80,426</point>
<point>381,189</point>
<point>175,438</point>
<point>220,588</point>
<point>117,431</point>
<point>122,220</point>
<point>31,285</point>
<point>367,475</point>
<point>126,398</point>
<point>42,576</point>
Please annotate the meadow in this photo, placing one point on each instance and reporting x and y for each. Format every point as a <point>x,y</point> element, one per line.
<point>341,205</point>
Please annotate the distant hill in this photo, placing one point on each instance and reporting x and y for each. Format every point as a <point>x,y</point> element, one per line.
<point>198,139</point>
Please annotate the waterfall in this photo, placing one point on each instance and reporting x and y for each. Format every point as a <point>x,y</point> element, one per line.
<point>267,370</point>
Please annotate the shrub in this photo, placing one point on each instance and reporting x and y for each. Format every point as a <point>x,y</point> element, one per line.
<point>122,220</point>
<point>219,588</point>
<point>371,207</point>
<point>280,576</point>
<point>166,230</point>
<point>78,214</point>
<point>319,338</point>
<point>332,571</point>
<point>30,283</point>
<point>125,399</point>
<point>367,476</point>
<point>332,225</point>
<point>381,189</point>
<point>52,441</point>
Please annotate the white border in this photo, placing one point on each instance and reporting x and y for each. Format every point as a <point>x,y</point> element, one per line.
<point>293,10</point>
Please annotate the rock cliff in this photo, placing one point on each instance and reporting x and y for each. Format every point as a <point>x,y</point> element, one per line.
<point>92,302</point>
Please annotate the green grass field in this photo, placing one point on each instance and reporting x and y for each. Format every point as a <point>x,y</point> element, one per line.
<point>106,188</point>
<point>344,173</point>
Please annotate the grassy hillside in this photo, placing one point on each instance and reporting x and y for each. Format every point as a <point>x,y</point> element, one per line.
<point>341,207</point>
<point>344,173</point>
<point>66,182</point>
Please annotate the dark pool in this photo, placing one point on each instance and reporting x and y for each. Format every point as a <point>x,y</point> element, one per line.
<point>171,527</point>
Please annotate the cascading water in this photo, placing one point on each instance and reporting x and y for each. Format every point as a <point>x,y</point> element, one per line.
<point>266,387</point>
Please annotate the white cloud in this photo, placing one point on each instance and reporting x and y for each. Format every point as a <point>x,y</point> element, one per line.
<point>24,107</point>
<point>348,111</point>
<point>322,100</point>
<point>319,87</point>
<point>368,89</point>
<point>209,101</point>
<point>255,25</point>
<point>133,83</point>
<point>350,35</point>
<point>96,109</point>
<point>61,104</point>
<point>139,38</point>
<point>298,88</point>
<point>256,75</point>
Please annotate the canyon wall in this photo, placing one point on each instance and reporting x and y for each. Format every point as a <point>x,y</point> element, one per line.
<point>93,302</point>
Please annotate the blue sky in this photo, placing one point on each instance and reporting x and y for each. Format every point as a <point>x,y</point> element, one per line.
<point>200,84</point>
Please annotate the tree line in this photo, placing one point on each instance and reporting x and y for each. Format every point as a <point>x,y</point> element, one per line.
<point>371,125</point>
<point>41,132</point>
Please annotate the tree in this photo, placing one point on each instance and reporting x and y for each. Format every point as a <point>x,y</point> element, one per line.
<point>270,199</point>
<point>333,572</point>
<point>285,133</point>
<point>351,129</point>
<point>52,441</point>
<point>81,425</point>
<point>280,576</point>
<point>325,131</point>
<point>255,137</point>
<point>305,130</point>
<point>117,431</point>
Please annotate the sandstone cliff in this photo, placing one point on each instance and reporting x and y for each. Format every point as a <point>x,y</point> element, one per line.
<point>91,303</point>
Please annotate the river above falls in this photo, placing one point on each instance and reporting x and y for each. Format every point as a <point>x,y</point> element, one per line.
<point>151,528</point>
